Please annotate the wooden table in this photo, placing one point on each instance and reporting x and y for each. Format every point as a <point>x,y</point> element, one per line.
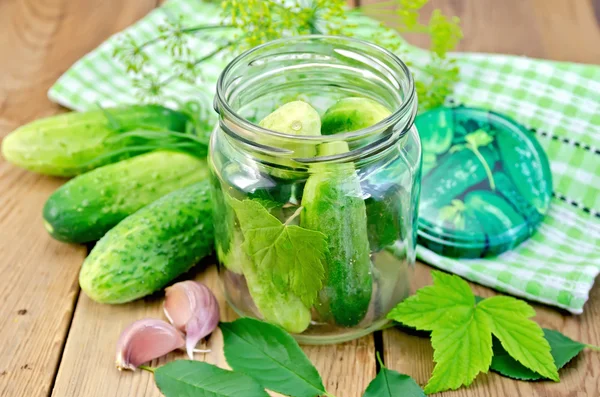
<point>55,341</point>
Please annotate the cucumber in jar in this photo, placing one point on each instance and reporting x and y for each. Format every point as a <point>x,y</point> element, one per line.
<point>293,118</point>
<point>352,114</point>
<point>333,205</point>
<point>275,303</point>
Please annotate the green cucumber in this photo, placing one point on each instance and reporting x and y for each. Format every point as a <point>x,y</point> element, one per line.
<point>88,206</point>
<point>384,217</point>
<point>73,143</point>
<point>352,114</point>
<point>332,204</point>
<point>150,248</point>
<point>293,118</point>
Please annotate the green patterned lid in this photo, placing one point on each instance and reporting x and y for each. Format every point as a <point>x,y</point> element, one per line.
<point>486,182</point>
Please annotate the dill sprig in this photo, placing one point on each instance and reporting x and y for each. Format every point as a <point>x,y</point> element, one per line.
<point>253,22</point>
<point>434,81</point>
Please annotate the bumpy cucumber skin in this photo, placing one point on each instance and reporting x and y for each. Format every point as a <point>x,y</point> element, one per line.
<point>66,145</point>
<point>384,221</point>
<point>333,205</point>
<point>150,248</point>
<point>352,114</point>
<point>88,206</point>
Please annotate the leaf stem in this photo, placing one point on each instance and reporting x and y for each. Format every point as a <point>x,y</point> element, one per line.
<point>486,166</point>
<point>193,29</point>
<point>294,215</point>
<point>593,347</point>
<point>328,395</point>
<point>215,52</point>
<point>206,27</point>
<point>147,368</point>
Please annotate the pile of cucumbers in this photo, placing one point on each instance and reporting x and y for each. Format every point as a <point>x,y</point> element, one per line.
<point>140,187</point>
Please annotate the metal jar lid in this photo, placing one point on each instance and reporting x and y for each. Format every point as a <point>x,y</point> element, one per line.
<point>486,183</point>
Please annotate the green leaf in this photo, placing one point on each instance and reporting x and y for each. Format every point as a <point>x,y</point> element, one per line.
<point>461,353</point>
<point>194,378</point>
<point>447,302</point>
<point>271,356</point>
<point>461,328</point>
<point>269,205</point>
<point>295,256</point>
<point>113,123</point>
<point>522,338</point>
<point>563,350</point>
<point>389,383</point>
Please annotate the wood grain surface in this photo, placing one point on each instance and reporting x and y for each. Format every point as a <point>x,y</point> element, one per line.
<point>54,341</point>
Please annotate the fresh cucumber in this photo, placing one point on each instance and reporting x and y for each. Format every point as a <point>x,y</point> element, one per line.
<point>150,248</point>
<point>333,205</point>
<point>88,206</point>
<point>384,217</point>
<point>293,118</point>
<point>72,143</point>
<point>352,114</point>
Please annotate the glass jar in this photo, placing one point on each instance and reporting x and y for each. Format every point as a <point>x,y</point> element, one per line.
<point>316,234</point>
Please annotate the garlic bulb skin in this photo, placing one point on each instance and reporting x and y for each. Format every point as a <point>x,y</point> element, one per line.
<point>145,340</point>
<point>192,308</point>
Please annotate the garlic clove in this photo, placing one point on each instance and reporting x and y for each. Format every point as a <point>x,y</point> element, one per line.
<point>192,308</point>
<point>145,340</point>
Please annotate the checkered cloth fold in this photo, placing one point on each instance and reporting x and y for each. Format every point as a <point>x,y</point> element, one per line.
<point>559,102</point>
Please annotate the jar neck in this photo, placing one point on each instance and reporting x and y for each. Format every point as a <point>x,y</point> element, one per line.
<point>320,68</point>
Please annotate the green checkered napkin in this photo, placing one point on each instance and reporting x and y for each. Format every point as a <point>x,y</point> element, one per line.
<point>559,102</point>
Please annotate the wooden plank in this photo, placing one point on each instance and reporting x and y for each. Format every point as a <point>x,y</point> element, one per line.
<point>569,30</point>
<point>38,287</point>
<point>554,29</point>
<point>507,26</point>
<point>413,355</point>
<point>88,369</point>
